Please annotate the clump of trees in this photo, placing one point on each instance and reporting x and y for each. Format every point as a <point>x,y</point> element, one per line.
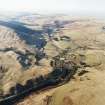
<point>39,55</point>
<point>48,29</point>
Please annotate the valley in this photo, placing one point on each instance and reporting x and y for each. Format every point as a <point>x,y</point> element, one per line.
<point>44,57</point>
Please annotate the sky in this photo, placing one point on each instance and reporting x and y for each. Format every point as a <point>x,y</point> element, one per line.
<point>57,6</point>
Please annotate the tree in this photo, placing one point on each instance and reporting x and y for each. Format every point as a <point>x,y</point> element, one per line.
<point>49,30</point>
<point>39,55</point>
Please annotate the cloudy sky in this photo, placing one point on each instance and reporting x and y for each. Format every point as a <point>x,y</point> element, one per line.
<point>58,6</point>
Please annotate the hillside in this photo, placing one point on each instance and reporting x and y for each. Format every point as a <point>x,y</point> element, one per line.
<point>86,45</point>
<point>31,44</point>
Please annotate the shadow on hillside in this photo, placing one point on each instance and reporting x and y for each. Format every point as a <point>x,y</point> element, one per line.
<point>31,37</point>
